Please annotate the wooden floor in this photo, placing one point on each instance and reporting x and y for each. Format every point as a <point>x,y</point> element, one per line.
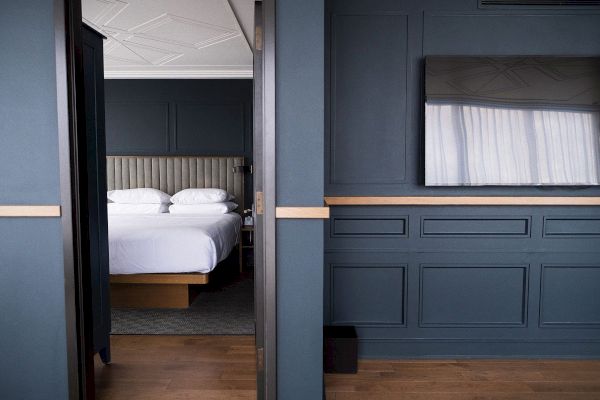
<point>178,367</point>
<point>468,380</point>
<point>222,367</point>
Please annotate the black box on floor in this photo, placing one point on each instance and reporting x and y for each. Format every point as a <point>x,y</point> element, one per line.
<point>340,349</point>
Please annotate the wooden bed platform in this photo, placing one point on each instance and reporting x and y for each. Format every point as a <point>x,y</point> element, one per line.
<point>169,174</point>
<point>155,290</point>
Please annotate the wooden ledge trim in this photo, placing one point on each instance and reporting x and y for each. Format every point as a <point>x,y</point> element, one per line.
<point>29,211</point>
<point>462,201</point>
<point>302,212</point>
<point>165,279</point>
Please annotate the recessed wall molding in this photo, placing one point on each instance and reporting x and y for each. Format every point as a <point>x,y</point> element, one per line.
<point>475,226</point>
<point>579,284</point>
<point>461,201</point>
<point>571,227</point>
<point>464,295</point>
<point>370,226</point>
<point>376,282</point>
<point>12,211</point>
<point>383,68</point>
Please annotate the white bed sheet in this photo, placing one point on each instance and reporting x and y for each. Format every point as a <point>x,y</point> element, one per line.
<point>167,243</point>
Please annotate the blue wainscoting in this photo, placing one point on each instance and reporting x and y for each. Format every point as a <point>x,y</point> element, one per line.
<point>447,281</point>
<point>495,284</point>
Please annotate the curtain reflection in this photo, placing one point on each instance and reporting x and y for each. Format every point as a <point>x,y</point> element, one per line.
<point>481,145</point>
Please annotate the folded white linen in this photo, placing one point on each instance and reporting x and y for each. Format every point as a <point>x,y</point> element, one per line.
<point>139,196</point>
<point>201,196</point>
<point>136,209</point>
<point>203,209</point>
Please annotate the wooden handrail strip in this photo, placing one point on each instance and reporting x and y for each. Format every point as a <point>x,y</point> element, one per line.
<point>12,211</point>
<point>461,201</point>
<point>302,212</point>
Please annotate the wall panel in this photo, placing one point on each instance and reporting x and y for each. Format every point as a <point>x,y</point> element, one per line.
<point>368,110</point>
<point>197,117</point>
<point>210,128</point>
<point>473,295</point>
<point>505,34</point>
<point>359,290</point>
<point>134,127</point>
<point>575,227</point>
<point>369,226</point>
<point>475,227</point>
<point>569,295</point>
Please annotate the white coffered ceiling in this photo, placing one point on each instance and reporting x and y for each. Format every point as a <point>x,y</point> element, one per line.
<point>174,38</point>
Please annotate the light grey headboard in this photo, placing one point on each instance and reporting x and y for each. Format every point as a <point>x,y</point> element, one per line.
<point>174,173</point>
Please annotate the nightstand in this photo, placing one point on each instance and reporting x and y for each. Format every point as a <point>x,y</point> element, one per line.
<point>246,243</point>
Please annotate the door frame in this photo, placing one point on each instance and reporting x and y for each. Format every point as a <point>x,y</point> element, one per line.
<point>71,121</point>
<point>264,186</point>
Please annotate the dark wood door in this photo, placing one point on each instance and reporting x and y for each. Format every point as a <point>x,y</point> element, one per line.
<point>264,199</point>
<point>257,176</point>
<point>94,207</point>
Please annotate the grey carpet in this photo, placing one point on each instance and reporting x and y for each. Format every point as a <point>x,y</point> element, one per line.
<point>226,310</point>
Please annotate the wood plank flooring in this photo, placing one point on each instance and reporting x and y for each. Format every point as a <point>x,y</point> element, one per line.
<point>222,367</point>
<point>178,367</point>
<point>468,380</point>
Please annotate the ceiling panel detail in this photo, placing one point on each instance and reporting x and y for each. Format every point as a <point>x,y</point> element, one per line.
<point>172,38</point>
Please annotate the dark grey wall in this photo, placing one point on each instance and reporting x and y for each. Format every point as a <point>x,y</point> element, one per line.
<point>32,287</point>
<point>180,117</point>
<point>447,281</point>
<point>299,96</point>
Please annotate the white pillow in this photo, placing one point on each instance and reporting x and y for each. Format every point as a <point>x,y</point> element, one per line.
<point>139,196</point>
<point>201,196</point>
<point>122,209</point>
<point>203,209</point>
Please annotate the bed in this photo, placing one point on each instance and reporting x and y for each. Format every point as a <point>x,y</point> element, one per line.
<point>156,261</point>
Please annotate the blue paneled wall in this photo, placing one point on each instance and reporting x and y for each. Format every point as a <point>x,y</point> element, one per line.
<point>32,317</point>
<point>299,96</point>
<point>447,281</point>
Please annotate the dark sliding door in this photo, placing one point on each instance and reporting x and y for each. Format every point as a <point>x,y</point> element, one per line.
<point>259,278</point>
<point>92,152</point>
<point>264,198</point>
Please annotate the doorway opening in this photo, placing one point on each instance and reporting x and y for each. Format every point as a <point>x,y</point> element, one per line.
<point>175,136</point>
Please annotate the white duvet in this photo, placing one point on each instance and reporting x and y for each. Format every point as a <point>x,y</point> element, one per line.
<point>167,243</point>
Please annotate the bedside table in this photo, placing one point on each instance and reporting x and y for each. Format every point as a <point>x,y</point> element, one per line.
<point>246,242</point>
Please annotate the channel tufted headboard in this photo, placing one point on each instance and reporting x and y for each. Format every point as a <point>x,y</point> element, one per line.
<point>174,173</point>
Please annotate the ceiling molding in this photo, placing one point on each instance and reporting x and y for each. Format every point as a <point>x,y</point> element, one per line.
<point>178,39</point>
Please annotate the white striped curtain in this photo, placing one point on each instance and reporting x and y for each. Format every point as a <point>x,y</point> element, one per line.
<point>481,145</point>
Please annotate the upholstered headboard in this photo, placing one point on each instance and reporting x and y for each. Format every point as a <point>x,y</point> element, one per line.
<point>174,173</point>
